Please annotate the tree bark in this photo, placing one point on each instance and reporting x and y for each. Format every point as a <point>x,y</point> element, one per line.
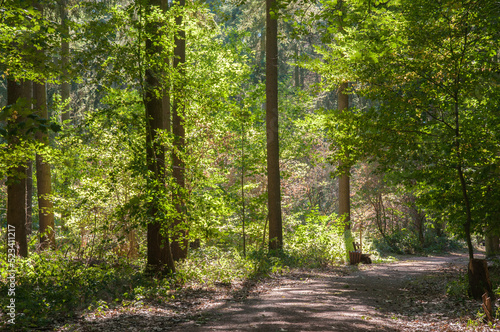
<point>273,170</point>
<point>180,227</point>
<point>344,180</point>
<point>43,176</point>
<point>16,186</point>
<point>159,255</point>
<point>491,244</point>
<point>27,94</point>
<point>29,197</point>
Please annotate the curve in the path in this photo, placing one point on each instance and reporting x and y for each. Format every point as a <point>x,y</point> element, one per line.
<point>360,301</point>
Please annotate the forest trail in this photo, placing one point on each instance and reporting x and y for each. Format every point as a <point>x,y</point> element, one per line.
<point>406,295</point>
<point>375,297</point>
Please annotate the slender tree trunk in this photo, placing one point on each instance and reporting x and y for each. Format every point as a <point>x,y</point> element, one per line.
<point>418,218</point>
<point>16,187</point>
<point>344,180</point>
<point>273,154</point>
<point>65,85</point>
<point>43,176</point>
<point>158,245</point>
<point>180,235</point>
<point>29,197</point>
<point>463,183</point>
<point>27,94</point>
<point>243,187</point>
<point>296,73</point>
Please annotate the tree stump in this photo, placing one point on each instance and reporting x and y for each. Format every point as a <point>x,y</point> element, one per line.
<point>479,279</point>
<point>354,257</point>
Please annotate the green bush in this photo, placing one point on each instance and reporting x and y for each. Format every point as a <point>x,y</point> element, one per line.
<point>316,242</point>
<point>210,265</point>
<point>406,241</point>
<point>51,288</point>
<point>401,241</point>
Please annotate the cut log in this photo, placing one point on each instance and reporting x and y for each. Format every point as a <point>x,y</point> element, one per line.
<point>354,257</point>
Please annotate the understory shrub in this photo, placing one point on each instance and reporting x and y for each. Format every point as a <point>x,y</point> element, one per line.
<point>405,241</point>
<point>210,265</point>
<point>318,241</point>
<point>51,288</point>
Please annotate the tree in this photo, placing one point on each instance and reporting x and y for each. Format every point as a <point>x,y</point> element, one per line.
<point>344,177</point>
<point>27,95</point>
<point>273,154</point>
<point>180,228</point>
<point>44,185</point>
<point>65,53</point>
<point>16,180</point>
<point>43,175</point>
<point>159,251</point>
<point>430,69</point>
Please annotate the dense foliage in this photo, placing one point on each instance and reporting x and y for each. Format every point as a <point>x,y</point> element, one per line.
<point>419,140</point>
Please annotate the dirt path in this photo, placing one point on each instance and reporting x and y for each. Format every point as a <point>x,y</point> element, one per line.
<point>378,297</point>
<point>407,295</point>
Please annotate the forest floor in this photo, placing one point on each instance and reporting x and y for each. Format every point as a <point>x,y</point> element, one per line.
<point>406,295</point>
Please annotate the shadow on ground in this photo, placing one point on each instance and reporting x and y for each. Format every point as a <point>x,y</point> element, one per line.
<point>369,298</point>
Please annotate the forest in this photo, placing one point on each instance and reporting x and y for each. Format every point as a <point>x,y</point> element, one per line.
<point>158,155</point>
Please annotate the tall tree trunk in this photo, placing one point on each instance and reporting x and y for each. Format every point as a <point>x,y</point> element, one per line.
<point>65,85</point>
<point>491,243</point>
<point>27,94</point>
<point>273,167</point>
<point>43,177</point>
<point>344,180</point>
<point>417,216</point>
<point>296,73</point>
<point>16,187</point>
<point>180,235</point>
<point>159,254</point>
<point>243,134</point>
<point>29,197</point>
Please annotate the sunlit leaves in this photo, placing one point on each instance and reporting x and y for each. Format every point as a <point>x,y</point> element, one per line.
<point>428,69</point>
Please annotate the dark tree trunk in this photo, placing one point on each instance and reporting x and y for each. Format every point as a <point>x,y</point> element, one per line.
<point>29,197</point>
<point>43,176</point>
<point>418,218</point>
<point>159,255</point>
<point>27,94</point>
<point>180,227</point>
<point>16,187</point>
<point>273,168</point>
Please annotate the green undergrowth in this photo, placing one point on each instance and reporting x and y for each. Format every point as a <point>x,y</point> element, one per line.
<point>51,288</point>
<point>405,241</point>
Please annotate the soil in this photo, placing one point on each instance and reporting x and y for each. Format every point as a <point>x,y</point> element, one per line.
<point>406,295</point>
